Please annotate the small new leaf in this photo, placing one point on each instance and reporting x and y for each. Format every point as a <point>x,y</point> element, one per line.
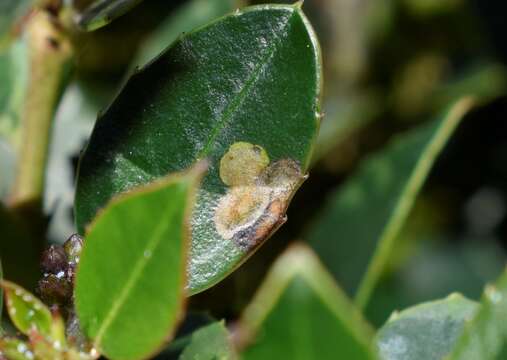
<point>26,311</point>
<point>14,349</point>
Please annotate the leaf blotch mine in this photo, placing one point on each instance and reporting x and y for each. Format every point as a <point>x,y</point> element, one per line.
<point>255,203</point>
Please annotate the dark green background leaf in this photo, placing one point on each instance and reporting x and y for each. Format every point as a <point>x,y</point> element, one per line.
<point>253,76</point>
<point>300,313</point>
<point>363,218</point>
<point>131,277</point>
<point>102,12</point>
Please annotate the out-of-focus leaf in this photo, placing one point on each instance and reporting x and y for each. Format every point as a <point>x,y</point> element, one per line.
<point>7,168</point>
<point>433,269</point>
<point>193,13</point>
<point>131,275</point>
<point>427,8</point>
<point>192,323</point>
<point>10,12</point>
<point>426,331</point>
<point>484,82</point>
<point>245,90</point>
<point>102,12</point>
<point>485,337</point>
<point>73,125</point>
<point>342,117</point>
<point>15,349</point>
<point>14,80</point>
<point>209,343</point>
<point>26,311</point>
<point>363,218</point>
<point>299,312</point>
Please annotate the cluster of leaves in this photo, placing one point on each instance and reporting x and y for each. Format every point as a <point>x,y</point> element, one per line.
<point>147,208</point>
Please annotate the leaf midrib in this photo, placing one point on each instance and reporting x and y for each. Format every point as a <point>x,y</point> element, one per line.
<point>248,84</point>
<point>135,274</point>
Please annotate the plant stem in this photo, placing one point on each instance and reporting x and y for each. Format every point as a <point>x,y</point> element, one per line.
<point>50,53</point>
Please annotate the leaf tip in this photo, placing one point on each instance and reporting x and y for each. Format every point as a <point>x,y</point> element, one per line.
<point>298,4</point>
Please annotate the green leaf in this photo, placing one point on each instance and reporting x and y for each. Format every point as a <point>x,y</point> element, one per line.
<point>102,12</point>
<point>192,14</point>
<point>129,291</point>
<point>209,343</point>
<point>10,12</point>
<point>363,218</point>
<point>345,116</point>
<point>300,313</point>
<point>426,331</point>
<point>15,349</point>
<point>26,311</point>
<point>246,85</point>
<point>485,336</point>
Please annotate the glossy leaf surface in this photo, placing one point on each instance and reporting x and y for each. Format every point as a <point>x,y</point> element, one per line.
<point>363,218</point>
<point>426,331</point>
<point>190,15</point>
<point>250,79</point>
<point>300,313</point>
<point>131,276</point>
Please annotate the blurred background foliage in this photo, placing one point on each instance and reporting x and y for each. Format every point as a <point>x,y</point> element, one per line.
<point>389,65</point>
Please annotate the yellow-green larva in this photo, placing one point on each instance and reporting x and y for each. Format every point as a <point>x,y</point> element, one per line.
<point>255,203</point>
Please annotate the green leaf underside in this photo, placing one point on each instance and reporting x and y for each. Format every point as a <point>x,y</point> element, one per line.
<point>299,313</point>
<point>485,337</point>
<point>425,332</point>
<point>131,275</point>
<point>209,343</point>
<point>252,76</point>
<point>26,311</point>
<point>356,231</point>
<point>102,12</point>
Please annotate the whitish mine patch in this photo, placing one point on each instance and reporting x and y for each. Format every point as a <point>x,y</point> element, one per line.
<point>258,194</point>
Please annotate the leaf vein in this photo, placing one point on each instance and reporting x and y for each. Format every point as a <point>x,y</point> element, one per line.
<point>248,84</point>
<point>134,276</point>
